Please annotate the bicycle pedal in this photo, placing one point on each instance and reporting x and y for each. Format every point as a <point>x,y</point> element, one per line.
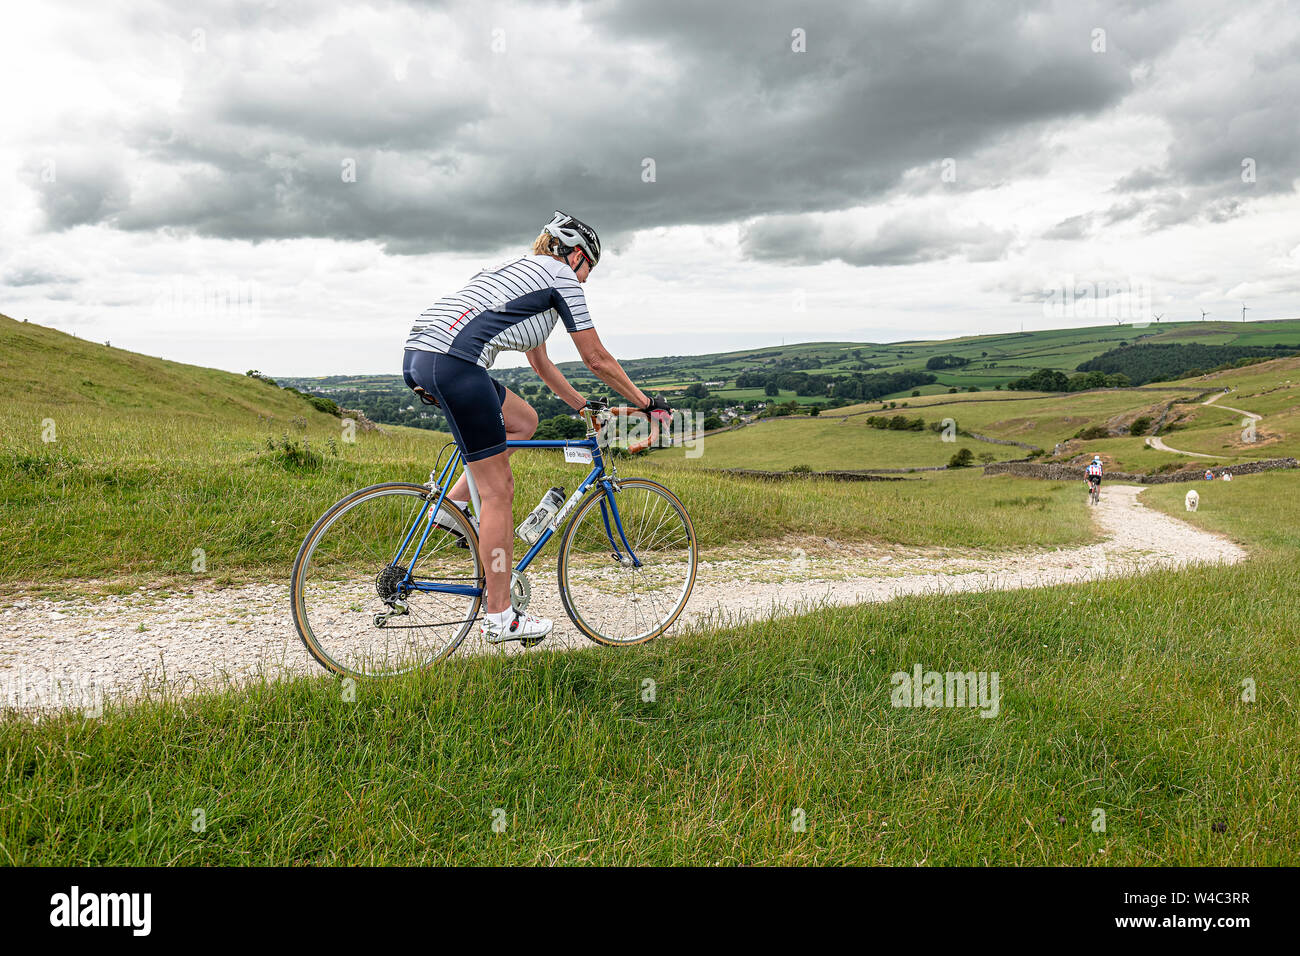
<point>531,641</point>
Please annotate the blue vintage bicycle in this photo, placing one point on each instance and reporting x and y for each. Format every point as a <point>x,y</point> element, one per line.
<point>391,578</point>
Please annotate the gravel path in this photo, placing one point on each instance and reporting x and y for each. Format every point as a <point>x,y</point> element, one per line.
<point>1157,443</point>
<point>72,652</point>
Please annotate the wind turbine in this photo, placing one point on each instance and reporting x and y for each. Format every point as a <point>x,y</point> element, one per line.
<point>1203,315</point>
<point>1243,311</point>
<point>1159,316</point>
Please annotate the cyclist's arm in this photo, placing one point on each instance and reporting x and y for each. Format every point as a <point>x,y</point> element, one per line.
<point>606,368</point>
<point>549,373</point>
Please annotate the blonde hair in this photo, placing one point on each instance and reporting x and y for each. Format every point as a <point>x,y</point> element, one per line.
<point>544,245</point>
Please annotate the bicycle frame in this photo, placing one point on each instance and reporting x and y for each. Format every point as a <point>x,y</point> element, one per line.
<point>443,483</point>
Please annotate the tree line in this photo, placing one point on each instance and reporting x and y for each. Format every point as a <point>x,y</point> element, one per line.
<point>858,386</point>
<point>1166,362</point>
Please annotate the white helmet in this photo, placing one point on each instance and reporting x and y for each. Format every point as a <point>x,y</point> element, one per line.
<point>574,233</point>
<point>1096,459</point>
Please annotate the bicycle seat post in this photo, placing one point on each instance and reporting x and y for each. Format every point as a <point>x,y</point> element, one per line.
<point>473,491</point>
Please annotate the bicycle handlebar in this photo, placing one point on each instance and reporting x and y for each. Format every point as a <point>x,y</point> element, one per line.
<point>598,415</point>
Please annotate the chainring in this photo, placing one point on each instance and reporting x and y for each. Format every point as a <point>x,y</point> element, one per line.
<point>521,592</point>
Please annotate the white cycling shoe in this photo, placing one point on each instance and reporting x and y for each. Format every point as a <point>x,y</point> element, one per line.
<point>518,627</point>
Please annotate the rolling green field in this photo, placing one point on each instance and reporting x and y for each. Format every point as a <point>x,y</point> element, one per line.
<point>841,439</point>
<point>993,359</point>
<point>827,445</point>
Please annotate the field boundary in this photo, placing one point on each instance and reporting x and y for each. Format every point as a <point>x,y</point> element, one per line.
<point>863,475</point>
<point>1060,472</point>
<point>1009,398</point>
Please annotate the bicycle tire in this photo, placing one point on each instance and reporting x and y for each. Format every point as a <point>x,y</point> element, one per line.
<point>567,596</point>
<point>301,567</point>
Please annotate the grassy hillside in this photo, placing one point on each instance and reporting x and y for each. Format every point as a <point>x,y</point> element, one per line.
<point>1271,389</point>
<point>85,386</point>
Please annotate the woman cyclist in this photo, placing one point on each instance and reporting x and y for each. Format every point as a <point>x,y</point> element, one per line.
<point>1093,474</point>
<point>452,345</point>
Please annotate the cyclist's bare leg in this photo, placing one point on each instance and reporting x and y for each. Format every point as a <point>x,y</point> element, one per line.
<point>521,424</point>
<point>496,488</point>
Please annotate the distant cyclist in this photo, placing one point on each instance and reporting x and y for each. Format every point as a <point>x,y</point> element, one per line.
<point>515,306</point>
<point>1093,472</point>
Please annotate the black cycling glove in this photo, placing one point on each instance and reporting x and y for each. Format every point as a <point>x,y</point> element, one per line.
<point>657,404</point>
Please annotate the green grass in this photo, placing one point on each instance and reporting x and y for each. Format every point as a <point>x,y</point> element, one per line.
<point>780,444</point>
<point>956,510</point>
<point>1257,511</point>
<point>1122,696</point>
<point>73,515</point>
<point>842,439</point>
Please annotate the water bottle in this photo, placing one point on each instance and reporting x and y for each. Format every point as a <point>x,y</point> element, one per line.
<point>531,528</point>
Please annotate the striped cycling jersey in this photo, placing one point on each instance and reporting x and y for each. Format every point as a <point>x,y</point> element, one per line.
<point>513,306</point>
<point>1094,469</point>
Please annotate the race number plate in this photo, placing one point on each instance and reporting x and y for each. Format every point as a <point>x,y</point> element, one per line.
<point>580,456</point>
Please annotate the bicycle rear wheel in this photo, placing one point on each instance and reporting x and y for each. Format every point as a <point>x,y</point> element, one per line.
<point>606,594</point>
<point>357,603</point>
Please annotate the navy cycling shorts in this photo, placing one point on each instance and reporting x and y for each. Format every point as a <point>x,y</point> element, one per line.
<point>470,398</point>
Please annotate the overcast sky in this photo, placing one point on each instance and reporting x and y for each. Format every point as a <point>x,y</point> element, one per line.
<point>285,185</point>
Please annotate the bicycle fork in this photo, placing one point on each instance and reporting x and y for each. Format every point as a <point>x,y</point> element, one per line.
<point>628,560</point>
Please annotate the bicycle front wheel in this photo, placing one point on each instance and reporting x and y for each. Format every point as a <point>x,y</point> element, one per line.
<point>626,588</point>
<point>359,604</point>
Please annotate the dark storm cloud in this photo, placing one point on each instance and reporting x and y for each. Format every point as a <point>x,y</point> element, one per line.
<point>77,186</point>
<point>1229,143</point>
<point>459,147</point>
